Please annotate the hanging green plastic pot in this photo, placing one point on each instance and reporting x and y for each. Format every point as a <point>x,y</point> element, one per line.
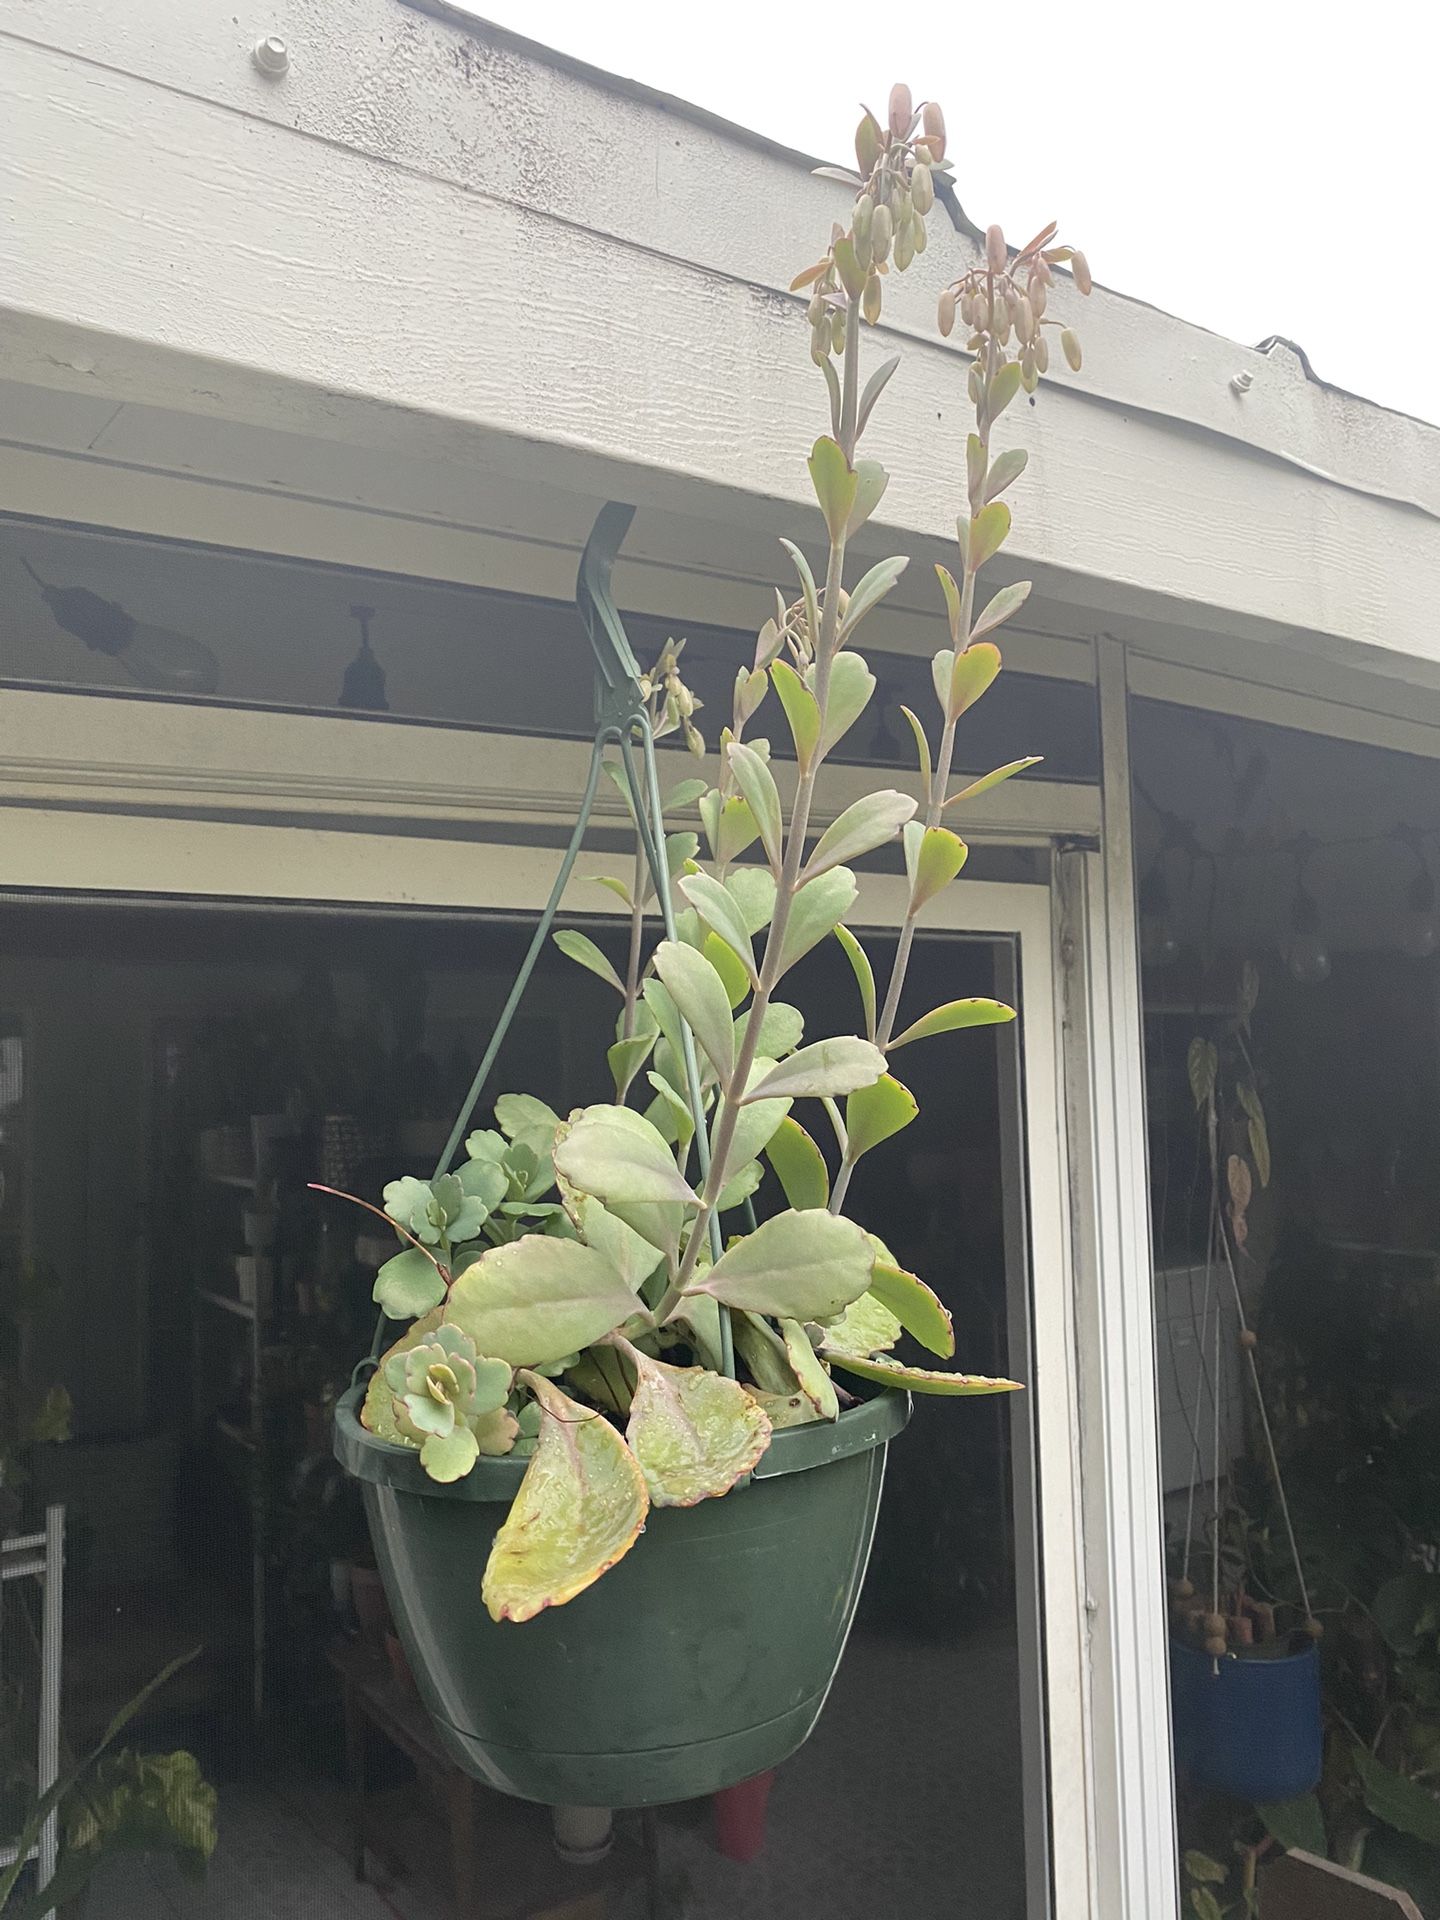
<point>702,1658</point>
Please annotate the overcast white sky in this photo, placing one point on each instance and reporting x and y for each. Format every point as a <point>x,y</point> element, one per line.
<point>1260,168</point>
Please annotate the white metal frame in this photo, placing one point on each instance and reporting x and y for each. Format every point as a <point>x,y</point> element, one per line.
<point>41,1556</point>
<point>105,852</point>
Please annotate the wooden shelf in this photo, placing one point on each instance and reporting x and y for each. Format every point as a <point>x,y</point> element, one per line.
<point>1381,1251</point>
<point>237,1434</point>
<point>227,1302</point>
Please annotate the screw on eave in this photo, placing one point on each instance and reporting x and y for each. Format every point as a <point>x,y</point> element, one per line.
<point>1241,382</point>
<point>271,56</point>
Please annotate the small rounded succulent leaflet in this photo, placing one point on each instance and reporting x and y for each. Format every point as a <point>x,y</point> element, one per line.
<point>443,1381</point>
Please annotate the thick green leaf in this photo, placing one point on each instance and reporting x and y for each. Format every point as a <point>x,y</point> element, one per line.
<point>870,590</point>
<point>989,780</point>
<point>680,852</point>
<point>701,995</point>
<point>1400,1803</point>
<point>628,1252</point>
<point>377,1413</point>
<point>867,1326</point>
<point>807,588</point>
<point>614,1153</point>
<point>694,1432</point>
<point>1009,600</point>
<point>835,484</point>
<point>922,751</point>
<point>890,1373</point>
<point>801,711</point>
<point>753,888</point>
<point>700,1316</point>
<point>875,1112</point>
<point>729,826</point>
<point>1202,1869</point>
<point>799,1165</point>
<point>627,1057</point>
<point>449,1456</point>
<point>942,669</point>
<point>783,1409</point>
<point>864,975</point>
<point>953,609</point>
<point>666,1015</point>
<point>537,1299</point>
<point>973,672</point>
<point>1406,1608</point>
<point>782,1027</point>
<point>757,783</point>
<point>578,947</point>
<point>520,1116</point>
<point>1202,1062</point>
<point>719,909</point>
<point>731,969</point>
<point>941,856</point>
<point>815,1383</point>
<point>763,1352</point>
<point>847,265</point>
<point>874,387</point>
<point>1005,470</point>
<point>740,1185</point>
<point>1203,1903</point>
<point>799,1266</point>
<point>1003,388</point>
<point>56,1795</point>
<point>871,481</point>
<point>756,1122</point>
<point>484,1180</point>
<point>816,910</point>
<point>408,1285</point>
<point>919,1310</point>
<point>1258,1132</point>
<point>827,1067</point>
<point>953,1017</point>
<point>851,685</point>
<point>684,794</point>
<point>865,825</point>
<point>680,1121</point>
<point>1297,1824</point>
<point>987,533</point>
<point>580,1508</point>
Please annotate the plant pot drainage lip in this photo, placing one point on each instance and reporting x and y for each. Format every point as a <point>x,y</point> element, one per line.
<point>873,1422</point>
<point>1252,1659</point>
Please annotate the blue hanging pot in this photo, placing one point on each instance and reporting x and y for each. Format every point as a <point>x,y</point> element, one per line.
<point>1249,1726</point>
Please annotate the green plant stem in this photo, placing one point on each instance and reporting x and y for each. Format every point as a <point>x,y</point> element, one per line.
<point>943,761</point>
<point>637,933</point>
<point>794,857</point>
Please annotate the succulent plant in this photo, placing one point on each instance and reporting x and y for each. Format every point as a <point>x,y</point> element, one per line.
<point>446,1400</point>
<point>437,1212</point>
<point>651,1247</point>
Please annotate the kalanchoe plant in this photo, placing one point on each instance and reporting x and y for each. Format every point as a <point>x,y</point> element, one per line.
<point>593,1288</point>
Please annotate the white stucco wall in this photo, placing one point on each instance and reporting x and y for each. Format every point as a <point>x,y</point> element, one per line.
<point>427,243</point>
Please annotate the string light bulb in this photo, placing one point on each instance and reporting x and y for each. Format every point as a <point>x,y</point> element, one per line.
<point>1420,929</point>
<point>1308,955</point>
<point>1159,942</point>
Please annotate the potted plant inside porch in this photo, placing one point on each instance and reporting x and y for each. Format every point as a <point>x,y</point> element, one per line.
<point>606,1342</point>
<point>1245,1671</point>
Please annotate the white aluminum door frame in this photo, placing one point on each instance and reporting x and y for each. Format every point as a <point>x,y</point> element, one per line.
<point>177,856</point>
<point>1060,1870</point>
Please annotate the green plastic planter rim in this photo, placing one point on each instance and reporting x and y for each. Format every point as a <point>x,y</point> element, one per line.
<point>874,1421</point>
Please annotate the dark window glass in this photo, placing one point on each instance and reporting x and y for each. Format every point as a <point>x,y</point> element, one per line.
<point>167,619</point>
